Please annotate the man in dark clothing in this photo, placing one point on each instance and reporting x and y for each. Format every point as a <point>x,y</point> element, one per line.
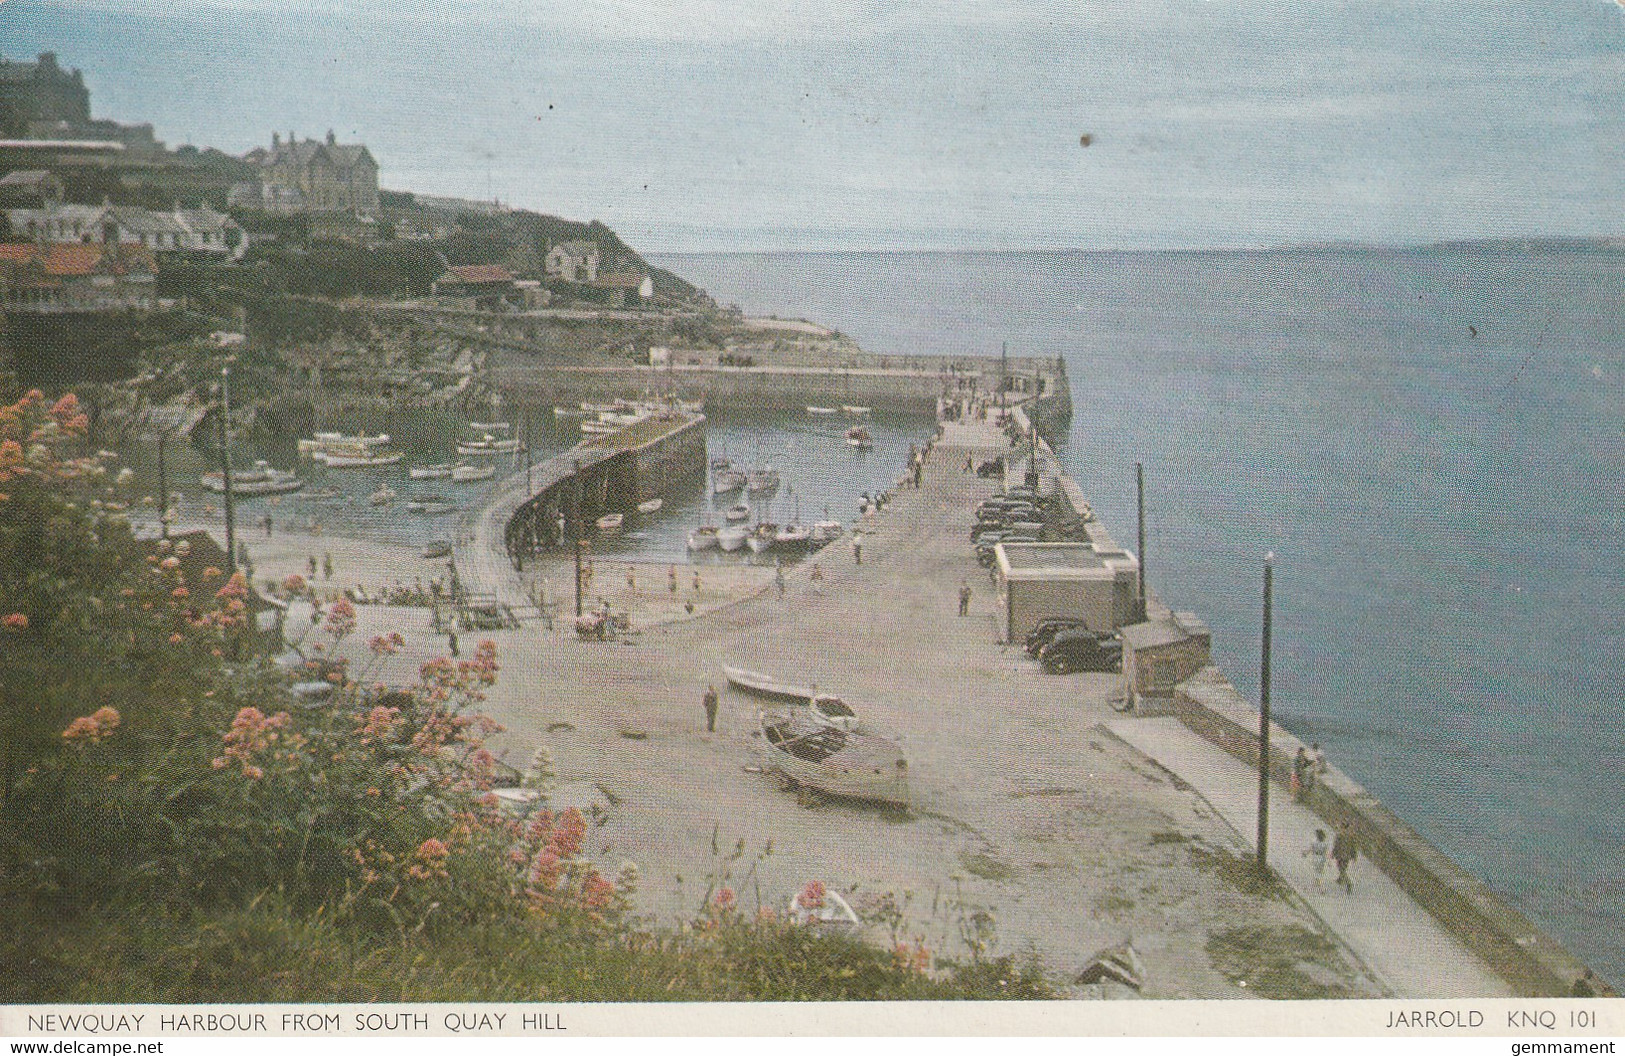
<point>451,640</point>
<point>1343,853</point>
<point>964,598</point>
<point>710,702</point>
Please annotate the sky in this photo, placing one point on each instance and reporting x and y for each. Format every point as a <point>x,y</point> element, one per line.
<point>693,125</point>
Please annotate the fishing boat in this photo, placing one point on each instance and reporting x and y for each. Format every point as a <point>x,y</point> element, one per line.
<point>464,473</point>
<point>369,461</point>
<point>432,505</point>
<point>732,537</point>
<point>859,437</point>
<point>651,506</point>
<point>763,537</point>
<point>328,492</point>
<point>610,524</point>
<point>594,427</point>
<point>703,538</point>
<point>260,480</point>
<point>821,412</point>
<point>854,411</point>
<point>490,427</point>
<point>793,536</point>
<point>817,906</point>
<point>488,445</point>
<point>826,530</point>
<point>383,496</point>
<point>762,480</point>
<point>833,761</point>
<point>728,481</point>
<point>598,408</point>
<point>822,708</point>
<point>322,443</point>
<point>568,412</point>
<point>736,513</point>
<point>438,471</point>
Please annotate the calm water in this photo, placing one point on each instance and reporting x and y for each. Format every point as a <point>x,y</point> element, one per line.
<point>1431,441</point>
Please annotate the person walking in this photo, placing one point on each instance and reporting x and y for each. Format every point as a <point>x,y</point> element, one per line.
<point>1301,765</point>
<point>671,580</point>
<point>696,581</point>
<point>451,640</point>
<point>778,577</point>
<point>310,564</point>
<point>857,549</point>
<point>1344,853</point>
<point>1317,852</point>
<point>964,597</point>
<point>817,577</point>
<point>631,581</point>
<point>709,702</point>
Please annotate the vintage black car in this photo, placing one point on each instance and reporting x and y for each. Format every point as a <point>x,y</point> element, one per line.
<point>1047,629</point>
<point>1081,650</point>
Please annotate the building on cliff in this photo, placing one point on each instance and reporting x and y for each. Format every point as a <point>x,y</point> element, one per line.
<point>573,261</point>
<point>328,176</point>
<point>41,92</point>
<point>201,230</point>
<point>77,277</point>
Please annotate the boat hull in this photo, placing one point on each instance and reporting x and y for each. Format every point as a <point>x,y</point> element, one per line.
<point>699,540</point>
<point>731,539</point>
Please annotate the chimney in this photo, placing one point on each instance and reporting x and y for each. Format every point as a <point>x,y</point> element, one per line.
<point>332,140</point>
<point>276,141</point>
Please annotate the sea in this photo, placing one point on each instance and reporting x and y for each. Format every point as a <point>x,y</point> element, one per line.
<point>1430,441</point>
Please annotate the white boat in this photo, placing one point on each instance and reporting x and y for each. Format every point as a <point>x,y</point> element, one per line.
<point>356,459</point>
<point>732,537</point>
<point>593,427</point>
<point>568,412</point>
<point>490,427</point>
<point>703,538</point>
<point>763,480</point>
<point>817,906</point>
<point>728,481</point>
<point>652,506</point>
<point>853,411</point>
<point>821,411</point>
<point>610,524</point>
<point>859,438</point>
<point>822,708</point>
<point>836,762</point>
<point>689,406</point>
<point>326,443</point>
<point>466,473</point>
<point>438,471</point>
<point>260,480</point>
<point>793,537</point>
<point>762,538</point>
<point>599,408</point>
<point>488,445</point>
<point>824,531</point>
<point>433,505</point>
<point>383,496</point>
<point>737,513</point>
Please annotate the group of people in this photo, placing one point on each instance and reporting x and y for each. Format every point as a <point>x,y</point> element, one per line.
<point>1307,767</point>
<point>1340,849</point>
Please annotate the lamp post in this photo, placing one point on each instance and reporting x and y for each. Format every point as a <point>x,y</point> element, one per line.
<point>1139,488</point>
<point>1264,721</point>
<point>225,467</point>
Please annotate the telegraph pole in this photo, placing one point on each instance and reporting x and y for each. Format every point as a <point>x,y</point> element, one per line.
<point>1264,721</point>
<point>225,467</point>
<point>163,489</point>
<point>575,518</point>
<point>1139,487</point>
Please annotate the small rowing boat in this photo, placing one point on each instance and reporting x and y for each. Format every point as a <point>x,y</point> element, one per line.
<point>464,474</point>
<point>652,506</point>
<point>822,708</point>
<point>438,471</point>
<point>821,412</point>
<point>610,524</point>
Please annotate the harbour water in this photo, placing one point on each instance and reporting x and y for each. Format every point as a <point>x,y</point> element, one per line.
<point>1430,440</point>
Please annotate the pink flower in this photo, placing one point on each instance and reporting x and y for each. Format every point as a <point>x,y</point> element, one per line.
<point>15,621</point>
<point>812,896</point>
<point>725,900</point>
<point>431,849</point>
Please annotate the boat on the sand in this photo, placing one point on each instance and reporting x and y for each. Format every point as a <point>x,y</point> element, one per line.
<point>833,761</point>
<point>823,708</point>
<point>732,537</point>
<point>737,513</point>
<point>703,538</point>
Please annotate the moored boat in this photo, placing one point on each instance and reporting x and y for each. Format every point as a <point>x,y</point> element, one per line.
<point>437,471</point>
<point>490,427</point>
<point>465,473</point>
<point>821,412</point>
<point>260,480</point>
<point>651,506</point>
<point>763,537</point>
<point>762,480</point>
<point>793,537</point>
<point>859,438</point>
<point>826,530</point>
<point>703,538</point>
<point>728,481</point>
<point>854,411</point>
<point>594,427</point>
<point>834,761</point>
<point>732,537</point>
<point>432,505</point>
<point>383,496</point>
<point>487,445</point>
<point>737,513</point>
<point>610,524</point>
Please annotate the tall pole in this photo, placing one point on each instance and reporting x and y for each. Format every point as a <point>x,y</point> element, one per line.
<point>1139,487</point>
<point>1004,376</point>
<point>225,468</point>
<point>1264,721</point>
<point>575,520</point>
<point>163,490</point>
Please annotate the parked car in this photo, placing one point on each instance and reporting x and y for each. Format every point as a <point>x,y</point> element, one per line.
<point>1047,629</point>
<point>1081,650</point>
<point>991,468</point>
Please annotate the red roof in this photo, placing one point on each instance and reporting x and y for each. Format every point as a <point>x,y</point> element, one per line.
<point>472,273</point>
<point>62,259</point>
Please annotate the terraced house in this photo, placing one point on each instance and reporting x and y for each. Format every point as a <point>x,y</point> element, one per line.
<point>326,175</point>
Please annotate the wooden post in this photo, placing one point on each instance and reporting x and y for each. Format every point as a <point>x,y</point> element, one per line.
<point>1264,721</point>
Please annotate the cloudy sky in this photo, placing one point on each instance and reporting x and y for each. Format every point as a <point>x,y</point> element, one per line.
<point>763,124</point>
